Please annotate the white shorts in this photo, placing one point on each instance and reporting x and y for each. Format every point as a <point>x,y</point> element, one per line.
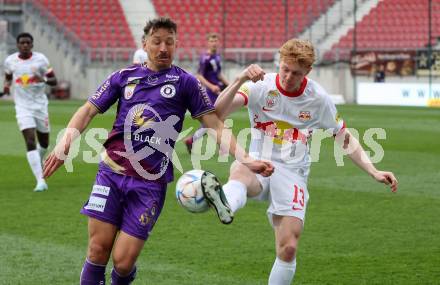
<point>37,118</point>
<point>286,191</point>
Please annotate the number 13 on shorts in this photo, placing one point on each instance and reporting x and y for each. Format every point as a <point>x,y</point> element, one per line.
<point>298,198</point>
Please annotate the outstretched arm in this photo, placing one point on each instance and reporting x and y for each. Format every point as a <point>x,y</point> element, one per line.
<point>227,102</point>
<point>360,158</point>
<point>211,121</point>
<point>76,126</point>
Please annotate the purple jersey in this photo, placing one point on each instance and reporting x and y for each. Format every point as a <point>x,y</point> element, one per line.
<point>149,117</point>
<point>210,68</point>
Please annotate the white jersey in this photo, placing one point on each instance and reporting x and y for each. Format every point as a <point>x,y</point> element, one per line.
<point>28,93</point>
<point>140,56</point>
<point>282,122</point>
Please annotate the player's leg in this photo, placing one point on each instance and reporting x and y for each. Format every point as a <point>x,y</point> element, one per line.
<point>288,203</point>
<point>43,129</point>
<point>101,239</point>
<point>125,253</point>
<point>287,232</point>
<point>142,207</point>
<point>242,183</point>
<point>29,139</point>
<point>43,143</point>
<point>34,159</point>
<point>104,209</point>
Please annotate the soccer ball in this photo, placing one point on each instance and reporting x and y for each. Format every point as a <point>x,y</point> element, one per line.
<point>189,192</point>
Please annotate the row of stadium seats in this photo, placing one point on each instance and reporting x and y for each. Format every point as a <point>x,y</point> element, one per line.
<point>393,24</point>
<point>245,25</point>
<point>102,24</point>
<point>98,23</point>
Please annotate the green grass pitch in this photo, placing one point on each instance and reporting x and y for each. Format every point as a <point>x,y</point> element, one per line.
<point>356,231</point>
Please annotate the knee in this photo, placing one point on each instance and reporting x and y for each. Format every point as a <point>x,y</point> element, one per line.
<point>123,264</point>
<point>287,252</point>
<point>30,144</point>
<point>238,171</point>
<point>98,253</point>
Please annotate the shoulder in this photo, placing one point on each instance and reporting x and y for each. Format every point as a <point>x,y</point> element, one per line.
<point>204,56</point>
<point>183,75</point>
<point>316,90</point>
<point>39,56</point>
<point>11,57</point>
<point>131,71</point>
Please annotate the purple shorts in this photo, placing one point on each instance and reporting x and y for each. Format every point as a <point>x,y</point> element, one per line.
<point>212,96</point>
<point>130,203</point>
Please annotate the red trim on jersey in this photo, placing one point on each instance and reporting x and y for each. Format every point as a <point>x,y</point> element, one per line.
<point>297,93</point>
<point>25,58</point>
<point>340,131</point>
<point>245,98</point>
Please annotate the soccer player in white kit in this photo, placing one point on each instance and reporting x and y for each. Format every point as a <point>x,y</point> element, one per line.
<point>140,56</point>
<point>28,72</point>
<point>284,109</point>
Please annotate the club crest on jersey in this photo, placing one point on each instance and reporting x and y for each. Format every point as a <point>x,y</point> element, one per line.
<point>272,99</point>
<point>168,91</point>
<point>129,91</point>
<point>304,116</point>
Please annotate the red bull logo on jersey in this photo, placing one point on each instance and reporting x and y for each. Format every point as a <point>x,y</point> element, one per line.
<point>304,116</point>
<point>280,131</point>
<point>26,80</point>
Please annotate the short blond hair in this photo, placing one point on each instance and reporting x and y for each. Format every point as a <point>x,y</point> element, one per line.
<point>299,51</point>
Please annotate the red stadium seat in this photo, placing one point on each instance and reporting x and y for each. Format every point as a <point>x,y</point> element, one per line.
<point>393,24</point>
<point>101,21</point>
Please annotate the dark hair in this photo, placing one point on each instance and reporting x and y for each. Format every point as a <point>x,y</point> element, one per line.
<point>25,35</point>
<point>161,22</point>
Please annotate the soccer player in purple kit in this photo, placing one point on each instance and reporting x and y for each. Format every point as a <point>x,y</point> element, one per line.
<point>211,76</point>
<point>130,185</point>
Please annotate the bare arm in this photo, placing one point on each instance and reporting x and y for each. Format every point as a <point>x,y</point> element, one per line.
<point>360,158</point>
<point>211,121</point>
<point>78,123</point>
<point>227,102</point>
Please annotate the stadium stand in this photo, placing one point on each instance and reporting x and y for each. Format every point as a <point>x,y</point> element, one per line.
<point>393,24</point>
<point>246,24</point>
<point>100,24</point>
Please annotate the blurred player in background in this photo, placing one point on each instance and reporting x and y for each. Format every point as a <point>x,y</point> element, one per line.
<point>284,109</point>
<point>28,72</point>
<point>211,76</point>
<point>129,191</point>
<point>140,56</point>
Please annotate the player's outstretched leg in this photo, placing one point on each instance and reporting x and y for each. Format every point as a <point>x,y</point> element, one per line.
<point>213,192</point>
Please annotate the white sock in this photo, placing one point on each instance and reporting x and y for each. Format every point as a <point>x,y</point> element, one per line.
<point>236,194</point>
<point>34,160</point>
<point>42,151</point>
<point>199,133</point>
<point>282,272</point>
